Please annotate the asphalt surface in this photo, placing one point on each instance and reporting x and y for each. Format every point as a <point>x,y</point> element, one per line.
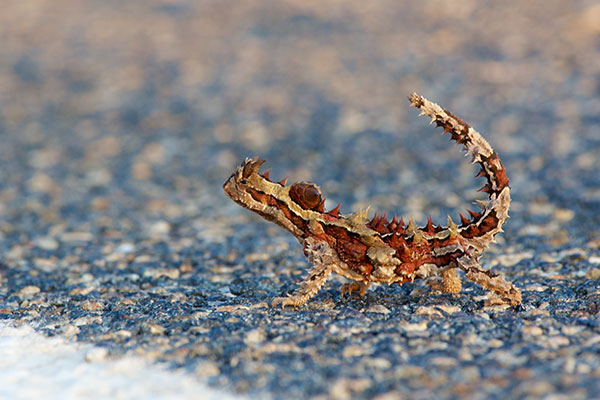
<point>119,123</point>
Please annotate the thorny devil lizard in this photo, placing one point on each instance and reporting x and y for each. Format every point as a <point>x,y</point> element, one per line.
<point>381,250</point>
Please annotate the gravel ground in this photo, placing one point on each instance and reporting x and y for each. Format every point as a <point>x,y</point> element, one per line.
<point>119,121</point>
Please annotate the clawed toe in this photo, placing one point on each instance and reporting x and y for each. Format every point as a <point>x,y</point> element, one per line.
<point>350,287</point>
<point>293,301</point>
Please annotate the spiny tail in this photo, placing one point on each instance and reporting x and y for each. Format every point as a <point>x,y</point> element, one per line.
<point>479,231</point>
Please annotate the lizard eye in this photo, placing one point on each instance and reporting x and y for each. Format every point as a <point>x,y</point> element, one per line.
<point>306,195</point>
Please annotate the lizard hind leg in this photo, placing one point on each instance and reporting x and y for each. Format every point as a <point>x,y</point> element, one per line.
<point>448,283</point>
<point>505,292</point>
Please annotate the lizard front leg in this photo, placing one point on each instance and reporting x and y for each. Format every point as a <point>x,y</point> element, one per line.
<point>325,261</point>
<point>506,292</point>
<point>308,287</point>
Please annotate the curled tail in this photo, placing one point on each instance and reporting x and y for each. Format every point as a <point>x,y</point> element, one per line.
<point>478,231</point>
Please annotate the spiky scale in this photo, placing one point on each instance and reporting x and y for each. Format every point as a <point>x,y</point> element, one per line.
<point>336,211</point>
<point>429,227</point>
<point>475,215</point>
<point>266,174</point>
<point>321,207</point>
<point>464,221</point>
<point>487,189</point>
<point>451,225</point>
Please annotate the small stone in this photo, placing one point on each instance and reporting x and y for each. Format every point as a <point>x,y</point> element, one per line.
<point>76,237</point>
<point>270,348</point>
<point>379,363</point>
<point>449,309</point>
<point>593,273</point>
<point>355,350</point>
<point>429,311</point>
<point>186,268</point>
<point>255,336</point>
<point>42,183</point>
<point>394,395</point>
<point>92,305</point>
<point>28,291</point>
<point>536,288</point>
<point>172,273</point>
<point>207,368</point>
<point>84,291</point>
<point>226,309</point>
<point>508,358</point>
<point>252,257</point>
<point>592,341</point>
<point>537,388</point>
<point>509,260</point>
<point>87,320</point>
<point>557,341</point>
<point>45,264</point>
<point>378,309</point>
<point>421,326</point>
<point>444,362</point>
<point>125,248</point>
<point>346,388</point>
<point>155,329</point>
<point>70,331</point>
<point>125,334</point>
<point>564,214</point>
<point>571,329</point>
<point>532,331</point>
<point>46,243</point>
<point>160,228</point>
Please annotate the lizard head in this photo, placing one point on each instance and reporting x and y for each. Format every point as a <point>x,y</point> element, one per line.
<point>289,206</point>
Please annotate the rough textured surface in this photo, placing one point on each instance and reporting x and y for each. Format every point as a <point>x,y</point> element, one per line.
<point>119,123</point>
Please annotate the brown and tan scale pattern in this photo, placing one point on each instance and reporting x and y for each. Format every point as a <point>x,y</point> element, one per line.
<point>382,250</point>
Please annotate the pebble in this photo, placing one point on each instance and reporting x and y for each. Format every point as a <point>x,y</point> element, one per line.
<point>355,351</point>
<point>429,311</point>
<point>348,388</point>
<point>254,337</point>
<point>125,248</point>
<point>70,331</point>
<point>532,331</point>
<point>159,228</point>
<point>28,291</point>
<point>557,341</point>
<point>123,333</point>
<point>92,305</point>
<point>207,369</point>
<point>154,329</point>
<point>47,243</point>
<point>593,273</point>
<point>411,327</point>
<point>156,273</point>
<point>378,309</point>
<point>76,237</point>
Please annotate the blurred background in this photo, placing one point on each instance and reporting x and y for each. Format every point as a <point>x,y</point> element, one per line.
<point>118,107</point>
